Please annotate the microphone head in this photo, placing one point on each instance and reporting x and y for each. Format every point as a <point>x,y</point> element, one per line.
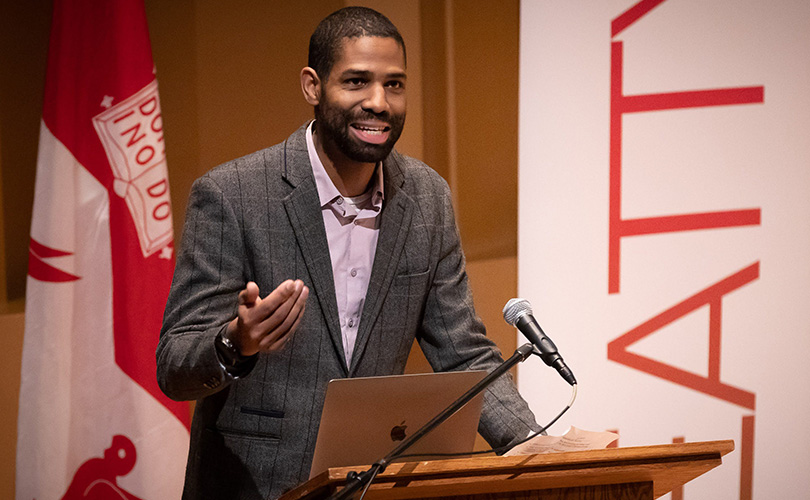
<point>516,308</point>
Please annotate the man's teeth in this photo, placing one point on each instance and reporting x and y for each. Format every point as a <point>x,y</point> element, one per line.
<point>370,130</point>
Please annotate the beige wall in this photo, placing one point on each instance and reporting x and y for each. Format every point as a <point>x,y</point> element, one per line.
<point>229,86</point>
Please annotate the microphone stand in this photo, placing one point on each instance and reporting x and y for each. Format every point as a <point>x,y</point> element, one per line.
<point>355,481</point>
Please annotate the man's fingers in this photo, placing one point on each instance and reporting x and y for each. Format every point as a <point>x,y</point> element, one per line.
<point>254,311</point>
<point>263,323</point>
<point>294,314</point>
<point>283,305</point>
<point>277,339</point>
<point>249,295</point>
<point>268,305</point>
<point>279,335</point>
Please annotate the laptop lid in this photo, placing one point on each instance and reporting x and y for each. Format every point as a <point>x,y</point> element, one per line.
<point>363,419</point>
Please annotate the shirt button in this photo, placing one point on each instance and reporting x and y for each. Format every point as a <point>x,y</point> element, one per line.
<point>339,201</point>
<point>353,273</point>
<point>351,323</point>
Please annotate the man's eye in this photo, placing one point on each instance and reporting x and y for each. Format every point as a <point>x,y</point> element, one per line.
<point>355,82</point>
<point>396,84</point>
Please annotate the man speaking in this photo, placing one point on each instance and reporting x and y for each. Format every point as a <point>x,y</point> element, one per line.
<point>321,257</point>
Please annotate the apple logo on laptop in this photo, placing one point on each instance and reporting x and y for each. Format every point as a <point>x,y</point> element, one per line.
<point>398,432</point>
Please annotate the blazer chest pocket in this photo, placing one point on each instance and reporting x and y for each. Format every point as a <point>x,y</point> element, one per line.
<point>252,423</point>
<point>411,285</point>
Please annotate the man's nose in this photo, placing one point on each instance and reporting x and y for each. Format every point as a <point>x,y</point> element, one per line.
<point>377,100</point>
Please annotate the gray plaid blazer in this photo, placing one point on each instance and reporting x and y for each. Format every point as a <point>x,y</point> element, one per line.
<point>258,219</point>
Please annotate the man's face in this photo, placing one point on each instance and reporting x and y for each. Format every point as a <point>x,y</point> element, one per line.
<point>362,106</point>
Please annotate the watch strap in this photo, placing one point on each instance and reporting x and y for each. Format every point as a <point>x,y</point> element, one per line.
<point>234,362</point>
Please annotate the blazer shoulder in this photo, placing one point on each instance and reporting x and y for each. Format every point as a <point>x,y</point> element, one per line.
<point>261,170</point>
<point>288,159</point>
<point>417,175</point>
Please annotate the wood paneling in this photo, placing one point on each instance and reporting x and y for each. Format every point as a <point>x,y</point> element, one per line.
<point>485,67</point>
<point>11,330</point>
<point>24,28</point>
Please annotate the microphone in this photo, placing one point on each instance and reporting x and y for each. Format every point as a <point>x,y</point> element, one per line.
<point>518,313</point>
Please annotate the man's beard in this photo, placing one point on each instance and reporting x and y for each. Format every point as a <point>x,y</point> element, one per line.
<point>334,124</point>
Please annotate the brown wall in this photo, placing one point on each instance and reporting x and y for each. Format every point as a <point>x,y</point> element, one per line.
<point>229,86</point>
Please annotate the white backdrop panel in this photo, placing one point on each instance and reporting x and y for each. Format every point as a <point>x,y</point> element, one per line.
<point>753,156</point>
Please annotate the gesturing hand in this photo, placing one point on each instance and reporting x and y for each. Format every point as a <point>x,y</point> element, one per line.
<point>266,324</point>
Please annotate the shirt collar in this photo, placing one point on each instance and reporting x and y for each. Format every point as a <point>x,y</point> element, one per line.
<point>327,192</point>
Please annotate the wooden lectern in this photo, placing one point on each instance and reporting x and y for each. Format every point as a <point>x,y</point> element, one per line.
<point>643,472</point>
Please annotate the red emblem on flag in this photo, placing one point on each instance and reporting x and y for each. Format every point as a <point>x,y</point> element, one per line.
<point>41,270</point>
<point>97,478</point>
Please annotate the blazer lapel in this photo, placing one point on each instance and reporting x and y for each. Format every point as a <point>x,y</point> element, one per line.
<point>305,217</point>
<point>394,225</point>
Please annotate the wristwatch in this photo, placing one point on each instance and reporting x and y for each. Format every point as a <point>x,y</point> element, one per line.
<point>228,353</point>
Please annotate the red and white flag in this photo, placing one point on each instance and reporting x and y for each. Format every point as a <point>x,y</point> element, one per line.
<point>92,420</point>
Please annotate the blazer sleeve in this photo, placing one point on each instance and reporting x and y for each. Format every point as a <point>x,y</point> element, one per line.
<point>203,298</point>
<point>453,337</point>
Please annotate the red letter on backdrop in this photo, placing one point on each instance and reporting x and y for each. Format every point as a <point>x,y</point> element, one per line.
<point>620,105</point>
<point>711,384</point>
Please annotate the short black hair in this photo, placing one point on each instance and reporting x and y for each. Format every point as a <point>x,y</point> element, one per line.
<point>348,22</point>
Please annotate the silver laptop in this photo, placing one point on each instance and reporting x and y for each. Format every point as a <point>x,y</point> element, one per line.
<point>363,419</point>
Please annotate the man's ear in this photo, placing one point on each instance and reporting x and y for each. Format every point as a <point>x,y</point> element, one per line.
<point>311,86</point>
